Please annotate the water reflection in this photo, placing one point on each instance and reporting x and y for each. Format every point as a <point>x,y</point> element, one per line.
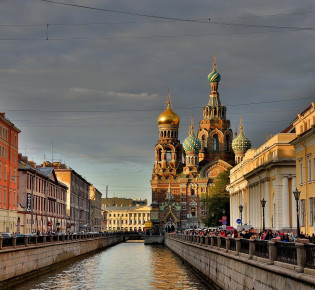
<point>125,266</point>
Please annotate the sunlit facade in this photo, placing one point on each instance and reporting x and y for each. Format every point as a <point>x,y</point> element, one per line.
<point>304,145</point>
<point>125,218</point>
<point>265,173</point>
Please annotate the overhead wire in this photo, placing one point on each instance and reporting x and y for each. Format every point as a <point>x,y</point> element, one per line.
<point>147,110</point>
<point>174,18</point>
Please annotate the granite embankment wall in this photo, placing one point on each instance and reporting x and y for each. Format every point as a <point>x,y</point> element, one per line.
<point>19,262</point>
<point>231,270</point>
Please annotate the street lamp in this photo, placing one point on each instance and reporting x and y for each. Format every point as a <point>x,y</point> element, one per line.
<point>241,210</point>
<point>263,204</point>
<point>297,197</point>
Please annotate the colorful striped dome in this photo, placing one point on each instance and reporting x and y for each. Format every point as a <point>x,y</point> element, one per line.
<point>241,144</point>
<point>192,143</point>
<point>214,77</point>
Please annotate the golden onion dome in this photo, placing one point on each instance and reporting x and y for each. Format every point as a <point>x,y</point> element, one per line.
<point>168,117</point>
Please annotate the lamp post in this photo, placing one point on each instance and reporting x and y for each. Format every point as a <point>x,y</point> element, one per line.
<point>263,204</point>
<point>297,197</point>
<point>241,210</point>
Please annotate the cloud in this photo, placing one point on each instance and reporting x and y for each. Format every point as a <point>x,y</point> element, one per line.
<point>132,95</point>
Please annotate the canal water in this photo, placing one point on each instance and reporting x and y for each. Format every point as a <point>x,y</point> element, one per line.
<point>124,266</point>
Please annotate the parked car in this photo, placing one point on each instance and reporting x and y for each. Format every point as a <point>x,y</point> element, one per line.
<point>6,235</point>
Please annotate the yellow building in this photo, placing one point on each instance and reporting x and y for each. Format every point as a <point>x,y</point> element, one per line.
<point>265,173</point>
<point>131,218</point>
<point>304,145</point>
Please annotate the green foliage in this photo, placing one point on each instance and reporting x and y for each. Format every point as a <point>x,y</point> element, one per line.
<point>218,200</point>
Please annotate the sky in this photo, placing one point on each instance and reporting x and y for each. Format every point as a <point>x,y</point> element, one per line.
<point>86,82</point>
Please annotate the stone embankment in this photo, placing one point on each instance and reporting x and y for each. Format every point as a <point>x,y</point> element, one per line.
<point>247,264</point>
<point>29,256</point>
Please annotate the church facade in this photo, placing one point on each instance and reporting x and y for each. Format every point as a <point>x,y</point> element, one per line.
<point>187,171</point>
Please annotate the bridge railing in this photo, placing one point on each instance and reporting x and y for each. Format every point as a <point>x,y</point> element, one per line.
<point>33,240</point>
<point>300,254</point>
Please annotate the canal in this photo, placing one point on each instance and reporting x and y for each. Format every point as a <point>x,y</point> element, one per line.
<point>124,266</point>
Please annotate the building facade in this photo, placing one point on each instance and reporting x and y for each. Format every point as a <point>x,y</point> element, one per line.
<point>265,173</point>
<point>127,218</point>
<point>304,145</point>
<point>9,136</point>
<point>78,204</point>
<point>95,198</point>
<point>190,169</point>
<point>41,198</point>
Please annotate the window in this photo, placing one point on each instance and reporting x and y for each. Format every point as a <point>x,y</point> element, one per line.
<point>215,142</point>
<point>309,171</point>
<point>301,173</point>
<point>302,212</point>
<point>311,208</point>
<point>4,195</point>
<point>5,172</point>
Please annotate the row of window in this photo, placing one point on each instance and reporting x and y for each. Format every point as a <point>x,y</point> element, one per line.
<point>311,210</point>
<point>39,205</point>
<point>125,222</point>
<point>40,185</point>
<point>8,197</point>
<point>310,172</point>
<point>126,215</point>
<point>12,172</point>
<point>4,134</point>
<point>77,214</point>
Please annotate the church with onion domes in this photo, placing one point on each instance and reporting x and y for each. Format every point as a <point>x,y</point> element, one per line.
<point>186,171</point>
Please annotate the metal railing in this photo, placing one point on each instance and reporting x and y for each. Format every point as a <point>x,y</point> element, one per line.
<point>232,245</point>
<point>310,255</point>
<point>223,243</point>
<point>12,242</point>
<point>245,246</point>
<point>261,249</point>
<point>286,252</point>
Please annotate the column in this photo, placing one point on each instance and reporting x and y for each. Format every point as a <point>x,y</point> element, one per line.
<point>285,202</point>
<point>249,199</point>
<point>242,201</point>
<point>293,208</point>
<point>268,205</point>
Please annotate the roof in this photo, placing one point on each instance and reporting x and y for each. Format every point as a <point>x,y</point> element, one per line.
<point>46,170</point>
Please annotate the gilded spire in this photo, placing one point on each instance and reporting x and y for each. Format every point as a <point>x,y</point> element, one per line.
<point>168,102</point>
<point>235,129</point>
<point>214,63</point>
<point>191,127</point>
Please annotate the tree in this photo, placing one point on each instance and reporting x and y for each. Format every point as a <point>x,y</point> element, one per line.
<point>217,201</point>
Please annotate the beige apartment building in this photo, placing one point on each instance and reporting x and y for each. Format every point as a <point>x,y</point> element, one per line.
<point>131,218</point>
<point>268,173</point>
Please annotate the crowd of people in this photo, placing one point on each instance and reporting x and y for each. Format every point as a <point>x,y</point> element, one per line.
<point>251,234</point>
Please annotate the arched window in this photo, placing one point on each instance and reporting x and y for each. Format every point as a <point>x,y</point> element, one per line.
<point>203,141</point>
<point>192,191</point>
<point>193,212</point>
<point>215,142</point>
<point>168,154</point>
